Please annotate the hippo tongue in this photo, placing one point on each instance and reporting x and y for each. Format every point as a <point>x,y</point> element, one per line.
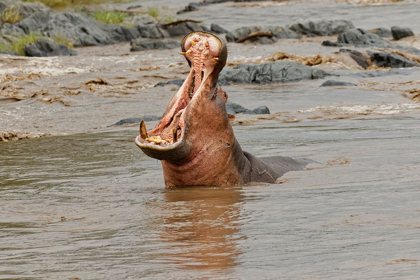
<point>206,55</point>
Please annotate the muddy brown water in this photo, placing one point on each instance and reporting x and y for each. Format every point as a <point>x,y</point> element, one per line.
<point>91,205</point>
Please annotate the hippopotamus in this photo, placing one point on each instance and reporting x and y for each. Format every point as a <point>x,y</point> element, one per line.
<point>194,140</point>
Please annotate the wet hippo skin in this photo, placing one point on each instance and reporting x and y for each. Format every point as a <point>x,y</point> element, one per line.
<point>194,139</point>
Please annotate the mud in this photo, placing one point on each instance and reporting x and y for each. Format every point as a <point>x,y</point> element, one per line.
<point>82,201</point>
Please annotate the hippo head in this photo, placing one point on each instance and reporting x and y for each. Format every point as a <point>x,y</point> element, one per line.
<point>194,135</point>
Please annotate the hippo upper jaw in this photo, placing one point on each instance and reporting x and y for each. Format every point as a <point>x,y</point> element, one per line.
<point>180,133</point>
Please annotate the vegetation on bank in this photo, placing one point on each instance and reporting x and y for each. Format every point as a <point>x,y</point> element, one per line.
<point>11,15</point>
<point>19,43</point>
<point>110,17</point>
<point>61,4</point>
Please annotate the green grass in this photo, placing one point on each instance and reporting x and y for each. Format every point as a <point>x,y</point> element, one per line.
<point>110,17</point>
<point>61,4</point>
<point>11,15</point>
<point>60,38</point>
<point>3,47</point>
<point>169,18</point>
<point>153,12</point>
<point>18,45</point>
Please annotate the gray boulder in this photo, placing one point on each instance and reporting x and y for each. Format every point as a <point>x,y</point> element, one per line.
<point>273,72</point>
<point>386,59</point>
<point>362,38</point>
<point>332,83</point>
<point>382,32</point>
<point>141,44</point>
<point>146,118</point>
<point>177,82</point>
<point>278,31</point>
<point>234,108</point>
<point>217,29</point>
<point>183,27</point>
<point>9,53</point>
<point>79,28</point>
<point>322,27</point>
<point>357,56</point>
<point>46,47</point>
<point>401,32</point>
<point>25,9</point>
<point>141,20</point>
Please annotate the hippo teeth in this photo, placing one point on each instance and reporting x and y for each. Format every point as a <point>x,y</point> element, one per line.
<point>202,51</point>
<point>175,135</point>
<point>143,130</point>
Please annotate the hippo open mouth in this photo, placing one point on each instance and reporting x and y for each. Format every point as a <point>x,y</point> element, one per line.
<point>206,54</point>
<point>195,140</point>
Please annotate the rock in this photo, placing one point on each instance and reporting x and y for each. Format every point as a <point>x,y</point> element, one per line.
<point>9,53</point>
<point>194,6</point>
<point>141,20</point>
<point>189,8</point>
<point>332,83</point>
<point>362,38</point>
<point>25,9</point>
<point>285,33</point>
<point>45,47</point>
<point>379,73</point>
<point>152,32</point>
<point>141,44</point>
<point>133,7</point>
<point>273,72</point>
<point>401,32</point>
<point>278,31</point>
<point>79,28</point>
<point>147,118</point>
<point>177,82</point>
<point>183,27</point>
<point>322,27</point>
<point>262,110</point>
<point>234,108</point>
<point>329,43</point>
<point>360,59</point>
<point>259,38</point>
<point>217,29</point>
<point>382,32</point>
<point>386,59</point>
<point>263,40</point>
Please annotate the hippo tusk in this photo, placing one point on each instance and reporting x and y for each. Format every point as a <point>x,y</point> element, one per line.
<point>143,130</point>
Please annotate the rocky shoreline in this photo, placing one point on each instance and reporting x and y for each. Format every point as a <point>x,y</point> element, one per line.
<point>143,56</point>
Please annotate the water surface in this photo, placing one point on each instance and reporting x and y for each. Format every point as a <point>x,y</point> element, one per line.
<point>93,206</point>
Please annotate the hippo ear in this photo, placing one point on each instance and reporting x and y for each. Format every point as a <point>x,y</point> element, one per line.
<point>231,117</point>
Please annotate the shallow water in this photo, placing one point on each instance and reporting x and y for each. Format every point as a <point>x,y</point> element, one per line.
<point>93,206</point>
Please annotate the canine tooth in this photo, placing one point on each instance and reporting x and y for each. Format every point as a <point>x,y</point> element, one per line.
<point>193,42</point>
<point>216,58</point>
<point>143,131</point>
<point>168,140</point>
<point>182,53</point>
<point>187,52</point>
<point>175,134</point>
<point>207,44</point>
